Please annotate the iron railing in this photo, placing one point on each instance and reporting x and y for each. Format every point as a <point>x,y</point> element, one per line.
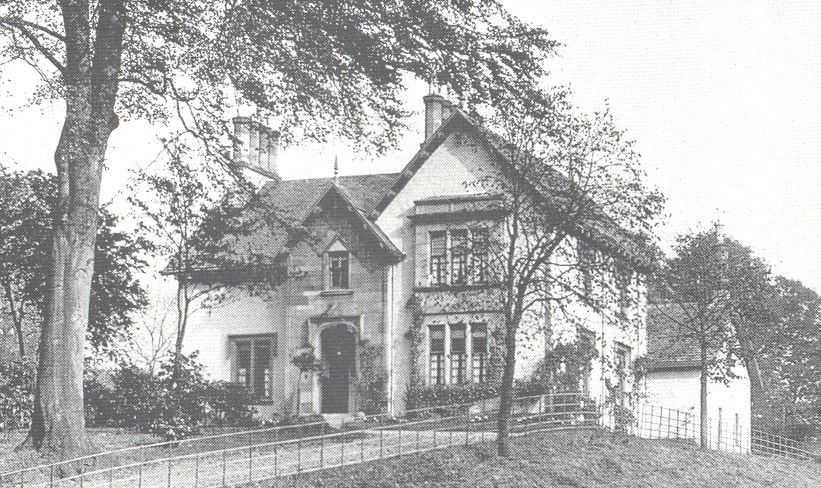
<point>242,457</point>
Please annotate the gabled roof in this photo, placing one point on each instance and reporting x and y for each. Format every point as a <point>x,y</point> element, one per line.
<point>383,241</point>
<point>602,231</point>
<point>292,202</point>
<point>666,348</point>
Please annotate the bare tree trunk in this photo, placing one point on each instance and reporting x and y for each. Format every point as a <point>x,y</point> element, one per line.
<point>506,393</point>
<point>183,305</point>
<point>705,421</point>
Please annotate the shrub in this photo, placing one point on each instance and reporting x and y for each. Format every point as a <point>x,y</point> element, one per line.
<point>446,395</point>
<point>229,403</point>
<point>17,393</point>
<point>173,408</point>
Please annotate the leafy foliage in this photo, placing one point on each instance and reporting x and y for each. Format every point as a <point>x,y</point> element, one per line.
<point>28,202</point>
<point>16,393</point>
<point>132,397</point>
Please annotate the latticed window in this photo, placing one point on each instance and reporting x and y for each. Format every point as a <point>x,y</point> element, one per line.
<point>437,354</point>
<point>478,352</point>
<point>339,264</point>
<point>458,354</point>
<point>587,344</point>
<point>459,257</point>
<point>479,256</point>
<point>622,363</point>
<point>252,365</point>
<point>438,258</point>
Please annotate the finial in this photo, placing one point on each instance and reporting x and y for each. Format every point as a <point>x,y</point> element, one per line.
<point>336,167</point>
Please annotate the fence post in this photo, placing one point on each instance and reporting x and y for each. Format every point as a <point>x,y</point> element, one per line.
<point>322,446</point>
<point>140,476</point>
<point>719,428</point>
<point>250,456</point>
<point>467,427</point>
<point>400,441</point>
<point>223,466</point>
<point>299,454</point>
<point>343,448</point>
<point>197,471</point>
<point>169,474</point>
<point>381,450</point>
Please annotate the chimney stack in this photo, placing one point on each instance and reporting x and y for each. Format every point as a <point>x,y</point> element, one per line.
<point>437,110</point>
<point>255,146</point>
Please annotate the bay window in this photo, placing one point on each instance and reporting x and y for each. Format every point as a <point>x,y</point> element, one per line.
<point>458,354</point>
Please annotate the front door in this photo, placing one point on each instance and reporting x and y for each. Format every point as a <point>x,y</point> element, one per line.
<point>338,350</point>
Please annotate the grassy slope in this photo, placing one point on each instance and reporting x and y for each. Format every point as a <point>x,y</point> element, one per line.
<point>580,459</point>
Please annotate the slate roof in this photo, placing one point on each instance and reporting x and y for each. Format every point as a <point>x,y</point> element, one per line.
<point>291,201</point>
<point>666,349</point>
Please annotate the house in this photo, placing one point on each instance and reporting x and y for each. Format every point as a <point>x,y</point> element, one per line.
<point>391,289</point>
<point>673,381</point>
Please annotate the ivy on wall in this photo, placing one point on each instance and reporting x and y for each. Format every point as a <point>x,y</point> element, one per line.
<point>371,385</point>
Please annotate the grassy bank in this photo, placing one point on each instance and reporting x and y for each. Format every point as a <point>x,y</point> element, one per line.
<point>570,459</point>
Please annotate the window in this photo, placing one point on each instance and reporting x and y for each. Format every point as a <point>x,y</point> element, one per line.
<point>479,255</point>
<point>438,258</point>
<point>458,354</point>
<point>458,257</point>
<point>587,344</point>
<point>252,365</point>
<point>339,266</point>
<point>437,354</point>
<point>478,350</point>
<point>622,363</point>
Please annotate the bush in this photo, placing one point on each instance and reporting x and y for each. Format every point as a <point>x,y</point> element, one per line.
<point>229,403</point>
<point>17,393</point>
<point>131,397</point>
<point>446,395</point>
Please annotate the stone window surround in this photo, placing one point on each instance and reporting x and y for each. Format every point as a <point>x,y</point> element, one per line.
<point>468,324</point>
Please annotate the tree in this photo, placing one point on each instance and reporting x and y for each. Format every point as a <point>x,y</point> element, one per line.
<point>317,67</point>
<point>565,178</point>
<point>789,395</point>
<point>722,295</point>
<point>27,199</point>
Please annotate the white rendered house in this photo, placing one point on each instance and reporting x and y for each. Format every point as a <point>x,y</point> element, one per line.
<point>384,290</point>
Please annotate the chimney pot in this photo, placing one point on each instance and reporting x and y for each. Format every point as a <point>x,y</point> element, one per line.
<point>434,113</point>
<point>255,146</point>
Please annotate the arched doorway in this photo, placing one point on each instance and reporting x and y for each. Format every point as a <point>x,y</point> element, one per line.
<point>338,349</point>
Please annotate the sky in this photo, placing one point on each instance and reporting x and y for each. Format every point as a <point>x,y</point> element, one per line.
<point>723,100</point>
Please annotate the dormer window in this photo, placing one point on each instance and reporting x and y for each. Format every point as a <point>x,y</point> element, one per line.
<point>339,264</point>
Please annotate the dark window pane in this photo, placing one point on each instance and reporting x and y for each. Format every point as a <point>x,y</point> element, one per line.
<point>437,354</point>
<point>437,338</point>
<point>340,265</point>
<point>478,347</point>
<point>243,376</point>
<point>458,354</point>
<point>262,369</point>
<point>438,260</point>
<point>479,258</point>
<point>459,256</point>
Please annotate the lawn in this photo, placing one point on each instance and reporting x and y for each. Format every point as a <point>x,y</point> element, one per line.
<point>569,459</point>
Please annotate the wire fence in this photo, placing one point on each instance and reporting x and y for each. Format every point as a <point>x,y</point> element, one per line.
<point>234,459</point>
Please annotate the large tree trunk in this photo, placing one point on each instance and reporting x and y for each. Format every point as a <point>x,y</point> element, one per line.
<point>92,66</point>
<point>705,420</point>
<point>506,396</point>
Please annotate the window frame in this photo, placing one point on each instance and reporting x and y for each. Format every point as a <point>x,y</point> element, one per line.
<point>463,267</point>
<point>332,256</point>
<point>253,340</point>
